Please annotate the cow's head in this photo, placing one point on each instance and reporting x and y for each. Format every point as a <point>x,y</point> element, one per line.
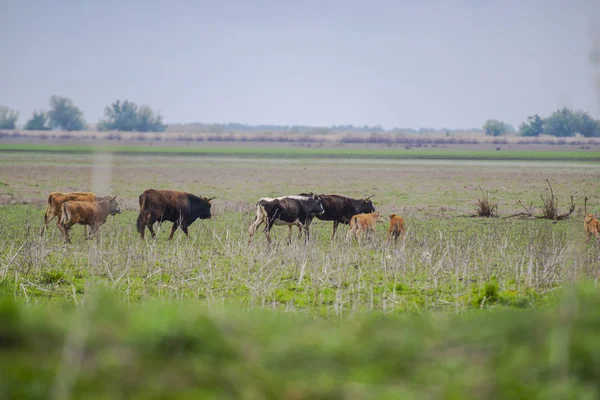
<point>366,205</point>
<point>113,206</point>
<point>588,218</point>
<point>205,212</point>
<point>318,206</point>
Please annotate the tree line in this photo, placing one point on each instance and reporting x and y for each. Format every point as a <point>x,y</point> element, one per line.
<point>127,116</point>
<point>563,122</point>
<point>65,115</point>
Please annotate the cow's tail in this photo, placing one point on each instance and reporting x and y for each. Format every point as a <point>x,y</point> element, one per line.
<point>66,216</point>
<point>353,227</point>
<point>49,208</point>
<point>261,216</point>
<point>140,224</point>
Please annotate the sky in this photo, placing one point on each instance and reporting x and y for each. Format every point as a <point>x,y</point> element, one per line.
<point>452,63</point>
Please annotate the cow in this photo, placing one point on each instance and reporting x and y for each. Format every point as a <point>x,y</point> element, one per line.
<point>55,202</point>
<point>340,209</point>
<point>396,228</point>
<point>87,213</point>
<point>180,208</point>
<point>363,223</point>
<point>286,210</point>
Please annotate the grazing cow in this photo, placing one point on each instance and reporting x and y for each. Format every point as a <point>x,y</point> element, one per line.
<point>396,228</point>
<point>87,213</point>
<point>286,210</point>
<point>363,223</point>
<point>340,209</point>
<point>55,202</point>
<point>180,208</point>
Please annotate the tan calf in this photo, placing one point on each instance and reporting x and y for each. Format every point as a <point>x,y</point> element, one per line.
<point>363,223</point>
<point>87,213</point>
<point>590,224</point>
<point>396,228</point>
<point>55,202</point>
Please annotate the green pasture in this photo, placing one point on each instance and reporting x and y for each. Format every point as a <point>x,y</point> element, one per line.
<point>352,152</point>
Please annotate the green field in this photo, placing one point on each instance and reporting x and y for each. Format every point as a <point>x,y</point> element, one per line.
<point>463,308</point>
<point>284,152</point>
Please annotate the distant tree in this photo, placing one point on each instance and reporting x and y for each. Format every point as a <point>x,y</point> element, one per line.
<point>533,127</point>
<point>38,122</point>
<point>586,125</point>
<point>566,122</point>
<point>560,123</point>
<point>120,116</point>
<point>147,121</point>
<point>493,127</point>
<point>127,117</point>
<point>8,117</point>
<point>65,115</point>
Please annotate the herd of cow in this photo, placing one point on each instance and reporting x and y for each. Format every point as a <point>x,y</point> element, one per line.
<point>182,209</point>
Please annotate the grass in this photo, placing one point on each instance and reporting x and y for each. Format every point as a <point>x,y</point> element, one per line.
<point>285,152</point>
<point>106,349</point>
<point>451,264</point>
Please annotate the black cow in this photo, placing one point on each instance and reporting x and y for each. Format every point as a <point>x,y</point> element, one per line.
<point>181,208</point>
<point>286,210</point>
<point>340,209</point>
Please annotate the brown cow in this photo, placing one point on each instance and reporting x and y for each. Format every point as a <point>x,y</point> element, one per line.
<point>363,223</point>
<point>396,228</point>
<point>181,208</point>
<point>55,202</point>
<point>88,213</point>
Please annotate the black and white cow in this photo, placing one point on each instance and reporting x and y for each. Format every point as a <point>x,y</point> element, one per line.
<point>286,210</point>
<point>340,209</point>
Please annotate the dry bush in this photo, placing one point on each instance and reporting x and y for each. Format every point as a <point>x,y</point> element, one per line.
<point>485,208</point>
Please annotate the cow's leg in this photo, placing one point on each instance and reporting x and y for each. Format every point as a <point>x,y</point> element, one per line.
<point>350,234</point>
<point>335,226</point>
<point>66,229</point>
<point>151,229</point>
<point>173,229</point>
<point>150,224</point>
<point>290,233</point>
<point>306,232</point>
<point>184,228</point>
<point>60,227</point>
<point>254,226</point>
<point>48,217</point>
<point>94,231</point>
<point>268,227</point>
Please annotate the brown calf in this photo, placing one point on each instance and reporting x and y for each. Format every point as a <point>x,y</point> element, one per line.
<point>396,228</point>
<point>55,202</point>
<point>590,224</point>
<point>363,223</point>
<point>87,213</point>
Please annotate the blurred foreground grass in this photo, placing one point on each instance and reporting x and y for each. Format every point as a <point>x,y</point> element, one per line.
<point>104,348</point>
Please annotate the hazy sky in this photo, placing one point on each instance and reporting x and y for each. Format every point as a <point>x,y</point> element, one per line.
<point>396,63</point>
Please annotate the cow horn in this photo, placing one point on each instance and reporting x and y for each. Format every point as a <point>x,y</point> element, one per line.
<point>212,198</point>
<point>368,197</point>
